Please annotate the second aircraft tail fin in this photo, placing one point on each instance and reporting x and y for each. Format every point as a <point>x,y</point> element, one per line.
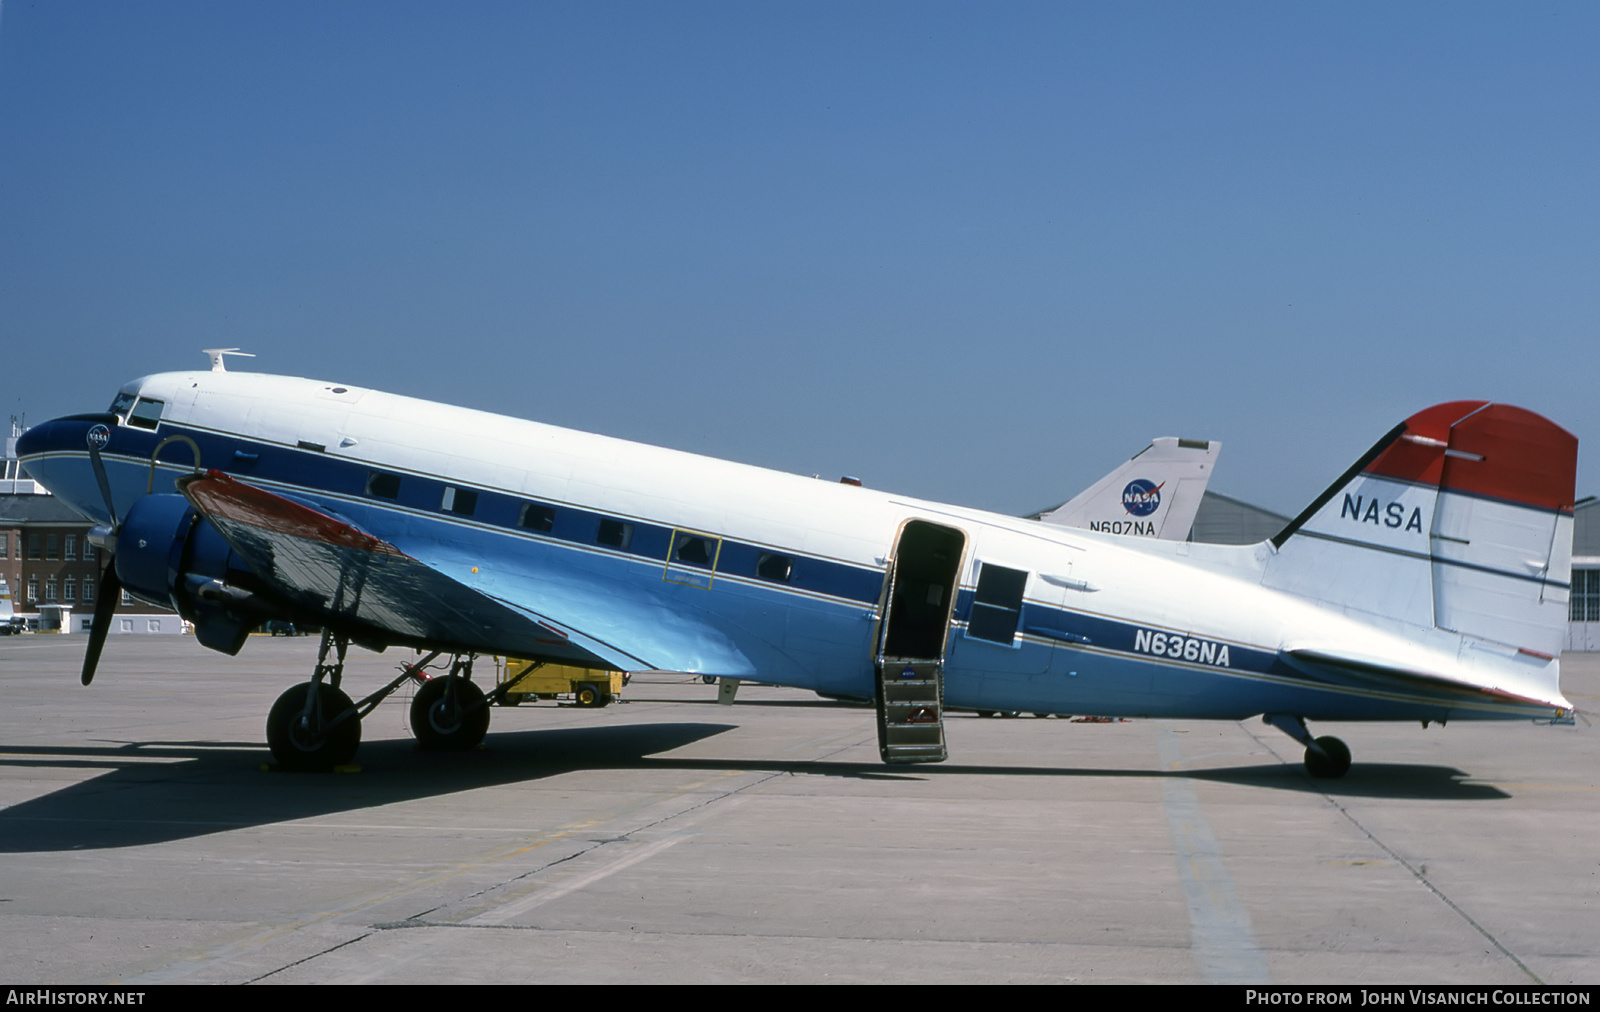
<point>1155,495</point>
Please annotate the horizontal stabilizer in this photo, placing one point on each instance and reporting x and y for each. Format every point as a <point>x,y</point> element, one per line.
<point>1347,670</point>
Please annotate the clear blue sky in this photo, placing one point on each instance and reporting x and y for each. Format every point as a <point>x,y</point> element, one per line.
<point>976,252</point>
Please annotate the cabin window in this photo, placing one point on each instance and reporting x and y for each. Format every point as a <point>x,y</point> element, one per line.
<point>615,533</point>
<point>382,485</point>
<point>695,550</point>
<point>146,414</point>
<point>537,517</point>
<point>777,568</point>
<point>998,604</point>
<point>460,501</point>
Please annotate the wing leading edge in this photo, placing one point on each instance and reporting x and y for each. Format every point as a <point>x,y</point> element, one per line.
<point>331,568</point>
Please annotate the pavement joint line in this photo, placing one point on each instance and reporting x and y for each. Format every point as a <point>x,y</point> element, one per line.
<point>462,867</point>
<point>627,836</point>
<point>1407,865</point>
<point>1222,940</point>
<point>410,925</point>
<point>620,838</point>
<point>307,959</point>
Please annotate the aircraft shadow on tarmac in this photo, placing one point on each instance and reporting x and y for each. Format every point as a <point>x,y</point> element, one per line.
<point>215,787</point>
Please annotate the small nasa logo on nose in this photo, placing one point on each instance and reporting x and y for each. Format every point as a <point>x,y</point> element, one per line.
<point>98,437</point>
<point>1141,498</point>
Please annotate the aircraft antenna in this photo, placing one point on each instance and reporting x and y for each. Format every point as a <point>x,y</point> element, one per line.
<point>215,354</point>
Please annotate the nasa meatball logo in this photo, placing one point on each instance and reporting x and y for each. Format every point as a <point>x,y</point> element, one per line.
<point>1140,498</point>
<point>97,437</point>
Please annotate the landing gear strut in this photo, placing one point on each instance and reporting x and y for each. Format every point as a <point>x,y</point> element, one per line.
<point>314,725</point>
<point>1327,758</point>
<point>450,714</point>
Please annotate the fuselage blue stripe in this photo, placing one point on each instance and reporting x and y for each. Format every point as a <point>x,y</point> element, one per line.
<point>311,472</point>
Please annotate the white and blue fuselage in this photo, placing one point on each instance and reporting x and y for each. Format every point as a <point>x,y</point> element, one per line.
<point>786,580</point>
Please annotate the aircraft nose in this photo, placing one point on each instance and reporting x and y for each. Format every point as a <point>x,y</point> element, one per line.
<point>68,433</point>
<point>55,454</point>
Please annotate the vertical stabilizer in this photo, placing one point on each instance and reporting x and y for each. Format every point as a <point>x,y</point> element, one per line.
<point>1460,518</point>
<point>1154,495</point>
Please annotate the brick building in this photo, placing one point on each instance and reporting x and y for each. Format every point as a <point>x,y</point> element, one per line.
<point>46,558</point>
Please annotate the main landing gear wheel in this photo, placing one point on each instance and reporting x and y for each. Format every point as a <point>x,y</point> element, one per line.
<point>303,741</point>
<point>1332,762</point>
<point>589,695</point>
<point>449,714</point>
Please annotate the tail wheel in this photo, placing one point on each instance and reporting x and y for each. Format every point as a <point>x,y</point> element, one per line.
<point>449,714</point>
<point>304,741</point>
<point>1331,762</point>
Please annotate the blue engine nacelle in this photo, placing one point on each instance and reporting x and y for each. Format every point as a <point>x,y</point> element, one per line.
<point>168,555</point>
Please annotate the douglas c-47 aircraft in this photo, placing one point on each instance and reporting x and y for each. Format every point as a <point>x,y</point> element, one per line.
<point>1427,583</point>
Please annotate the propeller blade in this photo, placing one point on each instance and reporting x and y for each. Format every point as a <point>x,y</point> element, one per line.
<point>105,484</point>
<point>104,605</point>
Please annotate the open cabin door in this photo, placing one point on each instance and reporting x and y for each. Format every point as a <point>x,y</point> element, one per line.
<point>919,602</point>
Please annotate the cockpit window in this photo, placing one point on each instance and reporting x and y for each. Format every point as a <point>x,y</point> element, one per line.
<point>120,406</point>
<point>146,413</point>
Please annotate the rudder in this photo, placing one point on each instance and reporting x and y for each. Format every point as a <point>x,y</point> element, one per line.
<point>1459,518</point>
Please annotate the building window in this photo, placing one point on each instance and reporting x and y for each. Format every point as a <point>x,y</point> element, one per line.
<point>5,545</point>
<point>52,546</point>
<point>33,589</point>
<point>50,591</point>
<point>33,546</point>
<point>88,590</point>
<point>69,551</point>
<point>1585,595</point>
<point>69,590</point>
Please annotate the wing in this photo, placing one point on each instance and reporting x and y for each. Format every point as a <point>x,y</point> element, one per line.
<point>331,568</point>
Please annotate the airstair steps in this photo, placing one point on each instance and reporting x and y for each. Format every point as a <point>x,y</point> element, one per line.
<point>911,711</point>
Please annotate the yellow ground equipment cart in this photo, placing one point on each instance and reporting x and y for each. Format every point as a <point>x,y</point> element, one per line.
<point>538,680</point>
